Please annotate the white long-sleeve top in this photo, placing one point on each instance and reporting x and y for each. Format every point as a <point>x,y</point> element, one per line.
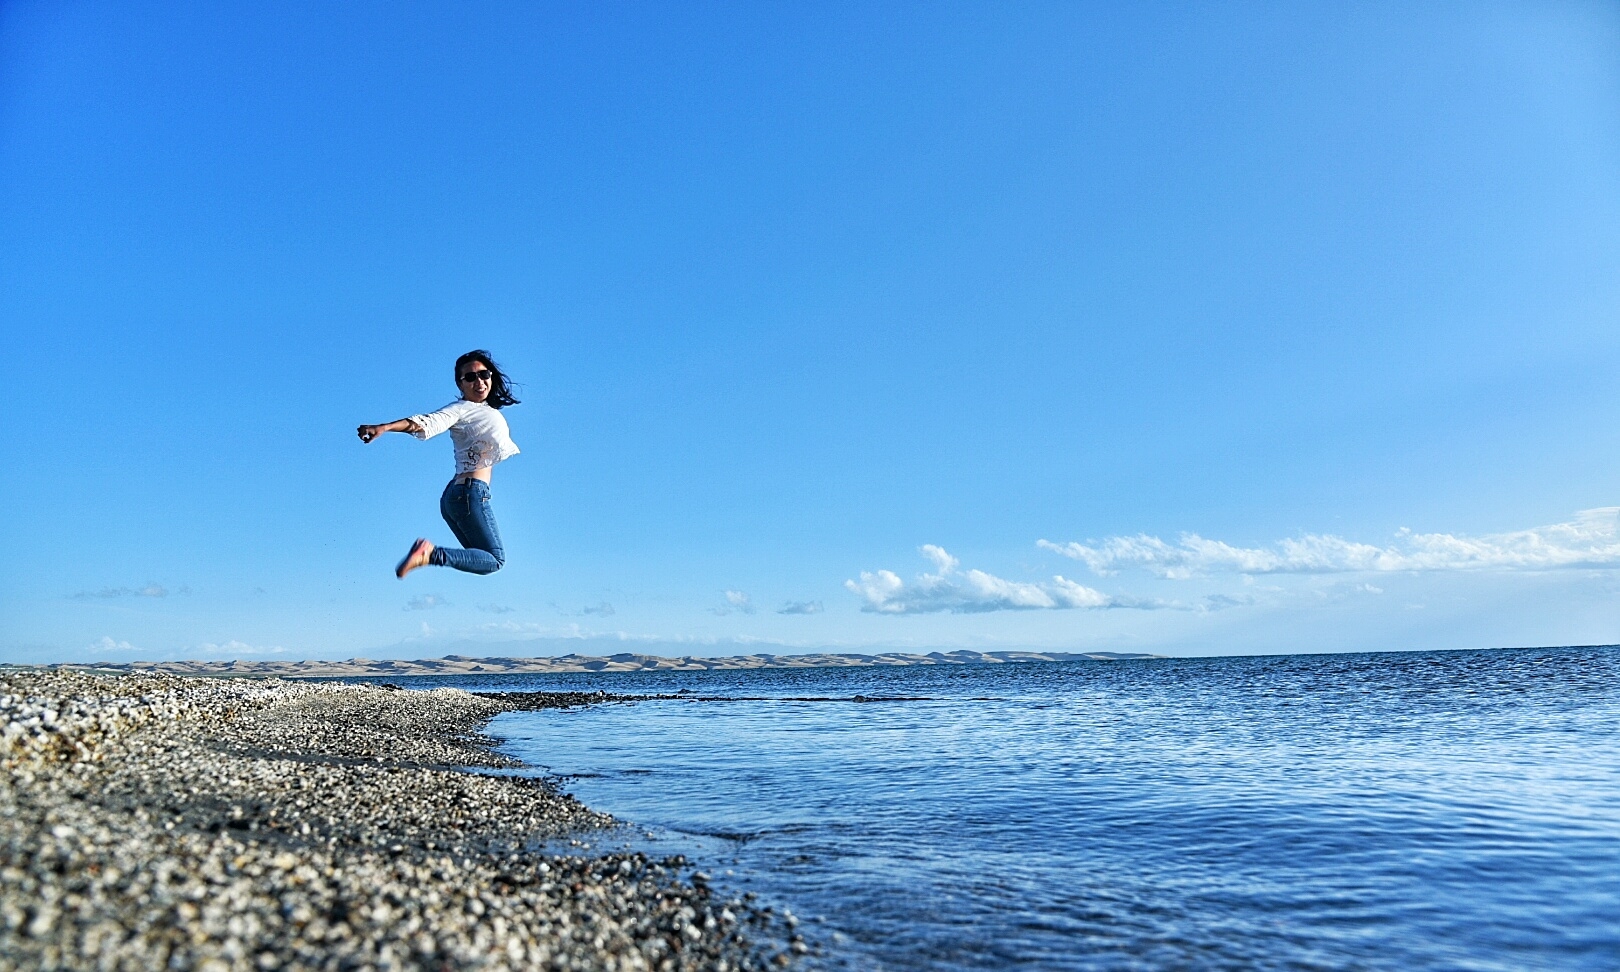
<point>477,430</point>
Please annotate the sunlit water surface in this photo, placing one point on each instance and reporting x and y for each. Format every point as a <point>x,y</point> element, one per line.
<point>1456,810</point>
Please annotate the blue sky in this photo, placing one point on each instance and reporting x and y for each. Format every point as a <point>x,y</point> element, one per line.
<point>839,326</point>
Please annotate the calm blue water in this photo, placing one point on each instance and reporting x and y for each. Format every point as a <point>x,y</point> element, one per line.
<point>1455,810</point>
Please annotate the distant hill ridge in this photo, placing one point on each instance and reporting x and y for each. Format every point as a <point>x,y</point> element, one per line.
<point>621,662</point>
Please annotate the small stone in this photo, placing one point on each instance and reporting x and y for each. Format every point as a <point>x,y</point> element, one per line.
<point>402,863</point>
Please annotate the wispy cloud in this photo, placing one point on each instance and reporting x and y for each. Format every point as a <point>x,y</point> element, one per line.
<point>108,644</point>
<point>800,607</point>
<point>736,602</point>
<point>496,609</point>
<point>1221,602</point>
<point>602,609</point>
<point>234,647</point>
<point>974,591</point>
<point>425,602</point>
<point>1592,539</point>
<point>153,589</point>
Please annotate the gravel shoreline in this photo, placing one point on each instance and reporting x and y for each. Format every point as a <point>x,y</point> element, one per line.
<point>159,822</point>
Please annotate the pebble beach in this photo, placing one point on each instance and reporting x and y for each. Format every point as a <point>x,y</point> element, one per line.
<point>161,822</point>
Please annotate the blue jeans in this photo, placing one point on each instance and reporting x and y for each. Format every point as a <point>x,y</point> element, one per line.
<point>465,506</point>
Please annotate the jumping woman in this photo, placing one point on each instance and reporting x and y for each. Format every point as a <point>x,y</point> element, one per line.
<point>478,432</point>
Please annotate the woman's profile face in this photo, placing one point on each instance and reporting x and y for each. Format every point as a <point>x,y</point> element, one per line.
<point>475,381</point>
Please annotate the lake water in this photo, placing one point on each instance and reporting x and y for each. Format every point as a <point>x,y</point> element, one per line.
<point>1437,810</point>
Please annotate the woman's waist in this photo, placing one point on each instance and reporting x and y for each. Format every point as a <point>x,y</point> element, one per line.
<point>486,437</point>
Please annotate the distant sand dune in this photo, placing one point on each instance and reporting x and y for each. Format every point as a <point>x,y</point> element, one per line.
<point>622,662</point>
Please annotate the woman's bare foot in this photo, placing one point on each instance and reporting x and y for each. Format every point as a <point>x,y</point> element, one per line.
<point>421,550</point>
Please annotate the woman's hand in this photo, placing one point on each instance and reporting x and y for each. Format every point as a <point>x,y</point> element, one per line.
<point>369,432</point>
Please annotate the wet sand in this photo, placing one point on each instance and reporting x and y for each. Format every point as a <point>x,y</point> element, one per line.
<point>151,821</point>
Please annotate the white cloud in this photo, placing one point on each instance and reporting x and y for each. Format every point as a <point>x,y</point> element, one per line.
<point>1592,539</point>
<point>1221,602</point>
<point>234,647</point>
<point>601,609</point>
<point>425,602</point>
<point>496,608</point>
<point>105,643</point>
<point>800,607</point>
<point>735,601</point>
<point>974,591</point>
<point>152,589</point>
<point>208,649</point>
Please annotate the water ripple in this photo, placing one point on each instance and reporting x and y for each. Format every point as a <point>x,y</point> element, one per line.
<point>1449,810</point>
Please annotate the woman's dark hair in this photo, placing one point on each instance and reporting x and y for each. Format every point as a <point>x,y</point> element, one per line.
<point>500,394</point>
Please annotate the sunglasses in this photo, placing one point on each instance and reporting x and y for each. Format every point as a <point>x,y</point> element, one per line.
<point>480,374</point>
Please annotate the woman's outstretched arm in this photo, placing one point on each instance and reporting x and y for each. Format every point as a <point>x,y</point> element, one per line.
<point>369,432</point>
